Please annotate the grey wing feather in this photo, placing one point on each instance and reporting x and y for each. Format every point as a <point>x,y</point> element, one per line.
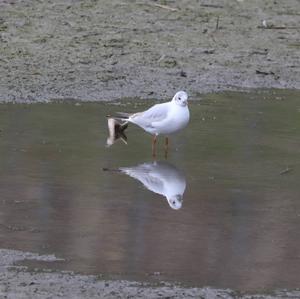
<point>144,175</point>
<point>156,113</point>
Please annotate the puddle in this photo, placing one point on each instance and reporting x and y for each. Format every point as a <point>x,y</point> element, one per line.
<point>233,221</point>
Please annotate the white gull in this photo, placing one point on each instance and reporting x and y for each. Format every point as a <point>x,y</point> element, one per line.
<point>162,178</point>
<point>165,118</point>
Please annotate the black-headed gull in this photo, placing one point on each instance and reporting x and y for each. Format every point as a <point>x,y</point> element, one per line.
<point>162,178</point>
<point>165,118</point>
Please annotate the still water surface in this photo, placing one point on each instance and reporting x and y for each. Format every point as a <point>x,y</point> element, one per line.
<point>234,174</point>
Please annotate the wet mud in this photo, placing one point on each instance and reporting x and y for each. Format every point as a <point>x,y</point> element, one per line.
<point>17,283</point>
<point>104,50</point>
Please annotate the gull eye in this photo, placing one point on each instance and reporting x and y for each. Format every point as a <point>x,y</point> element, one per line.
<point>179,98</point>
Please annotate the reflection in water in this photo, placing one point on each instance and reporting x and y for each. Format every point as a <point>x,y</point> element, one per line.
<point>162,178</point>
<point>238,229</point>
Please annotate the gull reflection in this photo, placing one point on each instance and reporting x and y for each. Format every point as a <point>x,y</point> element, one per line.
<point>162,178</point>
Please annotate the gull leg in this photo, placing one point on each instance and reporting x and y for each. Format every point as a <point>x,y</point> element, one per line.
<point>154,146</point>
<point>166,147</point>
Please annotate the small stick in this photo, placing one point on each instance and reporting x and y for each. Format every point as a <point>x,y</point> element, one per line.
<point>285,171</point>
<point>277,27</point>
<point>217,25</point>
<point>165,7</point>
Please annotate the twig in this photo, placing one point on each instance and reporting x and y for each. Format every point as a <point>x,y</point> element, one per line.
<point>285,171</point>
<point>165,7</point>
<point>277,27</point>
<point>264,73</point>
<point>162,57</point>
<point>212,5</point>
<point>259,52</point>
<point>217,25</point>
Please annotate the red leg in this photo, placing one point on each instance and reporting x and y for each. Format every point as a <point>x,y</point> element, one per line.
<point>166,147</point>
<point>154,146</point>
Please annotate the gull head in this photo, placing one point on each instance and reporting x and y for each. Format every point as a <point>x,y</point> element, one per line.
<point>175,201</point>
<point>180,98</point>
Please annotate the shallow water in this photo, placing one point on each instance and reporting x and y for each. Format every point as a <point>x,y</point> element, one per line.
<point>236,226</point>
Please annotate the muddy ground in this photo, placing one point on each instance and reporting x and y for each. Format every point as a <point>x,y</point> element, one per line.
<point>17,283</point>
<point>103,50</point>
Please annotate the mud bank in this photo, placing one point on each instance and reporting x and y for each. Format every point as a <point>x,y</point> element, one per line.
<point>103,50</point>
<point>16,282</point>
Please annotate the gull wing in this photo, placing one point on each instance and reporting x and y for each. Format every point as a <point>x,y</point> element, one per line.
<point>143,173</point>
<point>157,113</point>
